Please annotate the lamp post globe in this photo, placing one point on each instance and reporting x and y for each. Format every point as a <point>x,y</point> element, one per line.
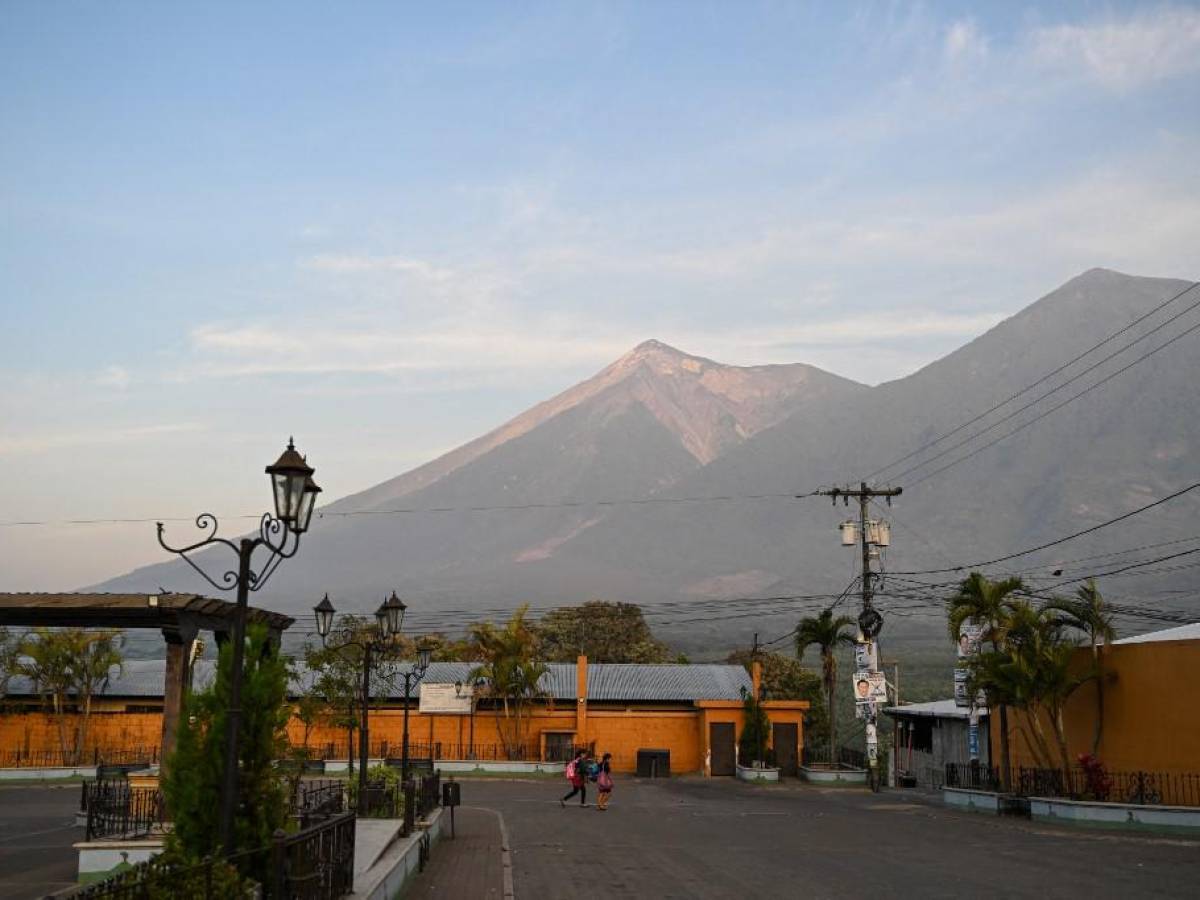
<point>423,653</point>
<point>308,503</point>
<point>395,610</point>
<point>381,620</point>
<point>324,613</point>
<point>289,475</point>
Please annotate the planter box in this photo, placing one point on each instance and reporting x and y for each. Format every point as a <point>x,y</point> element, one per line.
<point>759,776</point>
<point>102,859</point>
<point>975,801</point>
<point>833,776</point>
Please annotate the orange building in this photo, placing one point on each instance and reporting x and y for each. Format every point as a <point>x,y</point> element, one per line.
<point>1148,721</point>
<point>693,712</point>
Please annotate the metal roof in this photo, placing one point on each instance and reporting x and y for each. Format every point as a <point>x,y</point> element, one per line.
<point>937,709</point>
<point>1182,633</point>
<point>606,681</point>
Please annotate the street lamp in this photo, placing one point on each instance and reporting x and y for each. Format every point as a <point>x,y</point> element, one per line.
<point>389,619</point>
<point>295,495</point>
<point>412,676</point>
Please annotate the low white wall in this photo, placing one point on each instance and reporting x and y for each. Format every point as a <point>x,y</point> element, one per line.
<point>975,801</point>
<point>1116,815</point>
<point>834,776</point>
<point>480,765</point>
<point>386,879</point>
<point>47,774</point>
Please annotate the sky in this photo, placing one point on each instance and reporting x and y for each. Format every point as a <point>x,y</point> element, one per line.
<point>387,228</point>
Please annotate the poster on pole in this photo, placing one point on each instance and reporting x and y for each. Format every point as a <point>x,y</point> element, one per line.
<point>870,687</point>
<point>960,688</point>
<point>446,699</point>
<point>864,656</point>
<point>968,640</point>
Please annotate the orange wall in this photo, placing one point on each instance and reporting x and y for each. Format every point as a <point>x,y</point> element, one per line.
<point>35,732</point>
<point>1147,719</point>
<point>622,732</point>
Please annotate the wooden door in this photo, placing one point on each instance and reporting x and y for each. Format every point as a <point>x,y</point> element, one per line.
<point>785,740</point>
<point>720,742</point>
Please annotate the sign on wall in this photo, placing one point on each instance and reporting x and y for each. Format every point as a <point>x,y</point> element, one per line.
<point>444,699</point>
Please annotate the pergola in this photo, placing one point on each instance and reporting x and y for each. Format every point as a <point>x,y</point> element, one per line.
<point>179,616</point>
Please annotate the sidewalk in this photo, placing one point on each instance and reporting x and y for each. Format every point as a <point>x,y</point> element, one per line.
<point>469,866</point>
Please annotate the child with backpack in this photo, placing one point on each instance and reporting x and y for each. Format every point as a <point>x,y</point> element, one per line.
<point>604,782</point>
<point>577,774</point>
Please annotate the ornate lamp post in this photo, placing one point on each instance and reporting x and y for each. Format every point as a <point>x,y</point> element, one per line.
<point>295,498</point>
<point>389,622</point>
<point>411,677</point>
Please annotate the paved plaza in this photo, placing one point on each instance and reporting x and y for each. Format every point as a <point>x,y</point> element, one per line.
<point>697,838</point>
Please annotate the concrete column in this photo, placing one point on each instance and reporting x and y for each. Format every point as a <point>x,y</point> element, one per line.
<point>581,683</point>
<point>177,681</point>
<point>756,678</point>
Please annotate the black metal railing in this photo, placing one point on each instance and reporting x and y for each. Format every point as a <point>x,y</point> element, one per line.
<point>159,879</point>
<point>1138,787</point>
<point>316,863</point>
<point>847,757</point>
<point>972,776</point>
<point>94,756</point>
<point>117,811</point>
<point>318,799</point>
<point>384,800</point>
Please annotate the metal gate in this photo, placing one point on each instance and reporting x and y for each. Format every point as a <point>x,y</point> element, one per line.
<point>784,738</point>
<point>720,742</point>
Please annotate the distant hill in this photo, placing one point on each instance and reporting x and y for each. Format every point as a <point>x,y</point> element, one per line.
<point>659,423</point>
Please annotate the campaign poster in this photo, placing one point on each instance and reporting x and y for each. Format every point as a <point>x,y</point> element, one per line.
<point>870,687</point>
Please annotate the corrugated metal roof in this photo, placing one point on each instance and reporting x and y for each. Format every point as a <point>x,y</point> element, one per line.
<point>665,683</point>
<point>938,709</point>
<point>1182,633</point>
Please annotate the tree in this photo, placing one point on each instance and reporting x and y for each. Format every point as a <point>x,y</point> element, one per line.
<point>1032,671</point>
<point>336,678</point>
<point>510,666</point>
<point>194,774</point>
<point>443,649</point>
<point>785,678</point>
<point>756,731</point>
<point>987,603</point>
<point>604,632</point>
<point>9,655</point>
<point>827,634</point>
<point>70,665</point>
<point>1090,613</point>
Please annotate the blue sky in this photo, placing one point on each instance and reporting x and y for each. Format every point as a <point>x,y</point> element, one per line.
<point>388,228</point>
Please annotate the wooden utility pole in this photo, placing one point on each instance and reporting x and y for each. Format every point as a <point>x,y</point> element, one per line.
<point>870,622</point>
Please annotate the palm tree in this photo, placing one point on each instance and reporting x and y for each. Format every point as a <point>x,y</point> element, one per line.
<point>987,603</point>
<point>1090,613</point>
<point>826,633</point>
<point>511,669</point>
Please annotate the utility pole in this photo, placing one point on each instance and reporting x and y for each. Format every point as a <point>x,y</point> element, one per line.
<point>870,622</point>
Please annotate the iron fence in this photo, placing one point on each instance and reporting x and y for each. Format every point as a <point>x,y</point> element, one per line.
<point>1139,787</point>
<point>847,757</point>
<point>95,756</point>
<point>316,863</point>
<point>972,776</point>
<point>117,811</point>
<point>157,878</point>
<point>318,799</point>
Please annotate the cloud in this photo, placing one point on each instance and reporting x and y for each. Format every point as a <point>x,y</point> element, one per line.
<point>354,264</point>
<point>1122,55</point>
<point>113,377</point>
<point>964,42</point>
<point>40,443</point>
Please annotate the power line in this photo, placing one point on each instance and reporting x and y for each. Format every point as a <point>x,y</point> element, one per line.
<point>1039,416</point>
<point>500,507</point>
<point>1041,380</point>
<point>1054,543</point>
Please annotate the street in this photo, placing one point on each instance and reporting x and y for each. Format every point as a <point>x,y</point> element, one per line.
<point>37,829</point>
<point>691,837</point>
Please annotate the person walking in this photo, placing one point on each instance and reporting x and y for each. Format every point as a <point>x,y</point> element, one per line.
<point>577,775</point>
<point>604,782</point>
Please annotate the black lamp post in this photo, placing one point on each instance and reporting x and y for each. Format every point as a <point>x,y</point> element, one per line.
<point>295,498</point>
<point>474,686</point>
<point>389,621</point>
<point>412,676</point>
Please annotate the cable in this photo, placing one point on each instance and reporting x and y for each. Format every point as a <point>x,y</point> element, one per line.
<point>1030,387</point>
<point>1038,417</point>
<point>322,514</point>
<point>1055,543</point>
